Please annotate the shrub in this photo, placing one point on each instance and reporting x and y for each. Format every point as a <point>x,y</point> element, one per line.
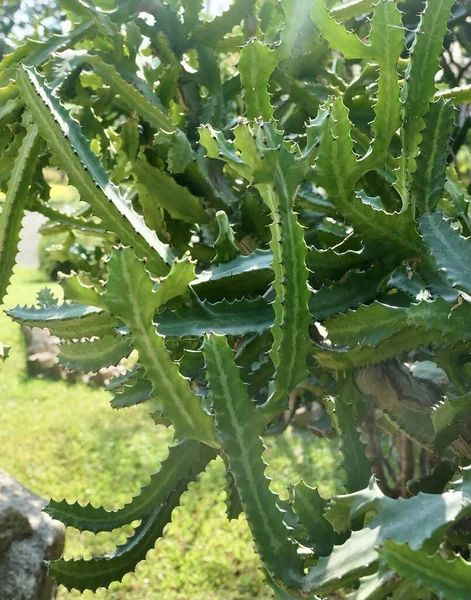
<point>292,222</point>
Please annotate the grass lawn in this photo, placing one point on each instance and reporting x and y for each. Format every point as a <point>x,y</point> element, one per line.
<point>64,440</point>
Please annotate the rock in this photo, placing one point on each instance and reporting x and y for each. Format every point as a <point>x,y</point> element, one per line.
<point>28,537</point>
<point>13,526</point>
<point>42,349</point>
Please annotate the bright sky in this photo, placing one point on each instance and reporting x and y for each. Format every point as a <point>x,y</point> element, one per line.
<point>216,7</point>
<point>23,28</point>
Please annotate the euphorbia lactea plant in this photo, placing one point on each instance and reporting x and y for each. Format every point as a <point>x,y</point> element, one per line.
<point>271,219</point>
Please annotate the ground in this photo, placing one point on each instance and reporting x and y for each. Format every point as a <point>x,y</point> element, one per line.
<point>64,440</point>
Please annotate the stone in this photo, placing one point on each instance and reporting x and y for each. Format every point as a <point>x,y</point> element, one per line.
<point>42,349</point>
<point>28,537</point>
<point>14,525</point>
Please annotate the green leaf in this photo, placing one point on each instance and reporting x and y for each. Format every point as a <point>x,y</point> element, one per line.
<point>258,154</point>
<point>258,377</point>
<point>244,275</point>
<point>431,514</point>
<point>226,248</point>
<point>378,332</point>
<point>332,264</point>
<point>355,288</point>
<point>170,34</point>
<point>8,92</point>
<point>256,64</point>
<point>191,362</point>
<point>176,283</point>
<point>14,205</point>
<point>344,507</point>
<point>165,192</point>
<point>239,432</point>
<point>209,76</point>
<point>335,33</point>
<point>310,507</point>
<point>34,53</point>
<point>298,31</point>
<point>450,250</point>
<point>129,285</point>
<point>351,8</point>
<point>337,170</point>
<point>344,412</point>
<point>147,106</point>
<point>64,138</point>
<point>428,181</point>
<point>446,578</point>
<point>436,280</point>
<point>230,318</point>
<point>217,146</point>
<point>448,417</point>
<point>130,138</point>
<point>89,12</point>
<point>277,177</point>
<point>386,41</point>
<point>46,298</point>
<point>8,158</point>
<point>251,351</point>
<point>419,87</point>
<point>233,503</point>
<point>67,321</point>
<point>255,365</point>
<point>179,154</point>
<point>406,280</point>
<point>77,223</point>
<point>100,572</point>
<point>92,356</point>
<point>278,592</point>
<point>132,392</point>
<point>456,192</point>
<point>130,389</point>
<point>191,15</point>
<point>376,586</point>
<point>93,574</point>
<point>370,325</point>
<point>337,167</point>
<point>459,95</point>
<point>435,481</point>
<point>402,341</point>
<point>213,31</point>
<point>76,290</point>
<point>184,461</point>
<point>10,112</point>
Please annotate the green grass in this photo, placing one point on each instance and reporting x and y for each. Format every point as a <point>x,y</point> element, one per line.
<point>64,440</point>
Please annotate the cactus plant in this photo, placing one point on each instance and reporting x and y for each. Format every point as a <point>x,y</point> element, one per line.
<point>278,220</point>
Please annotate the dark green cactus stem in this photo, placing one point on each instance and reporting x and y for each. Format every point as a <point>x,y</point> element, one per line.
<point>72,152</point>
<point>183,461</point>
<point>226,248</point>
<point>158,506</point>
<point>15,203</point>
<point>238,431</point>
<point>292,319</point>
<point>261,156</point>
<point>129,285</point>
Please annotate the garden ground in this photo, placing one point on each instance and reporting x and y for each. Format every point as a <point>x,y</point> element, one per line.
<point>64,440</point>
